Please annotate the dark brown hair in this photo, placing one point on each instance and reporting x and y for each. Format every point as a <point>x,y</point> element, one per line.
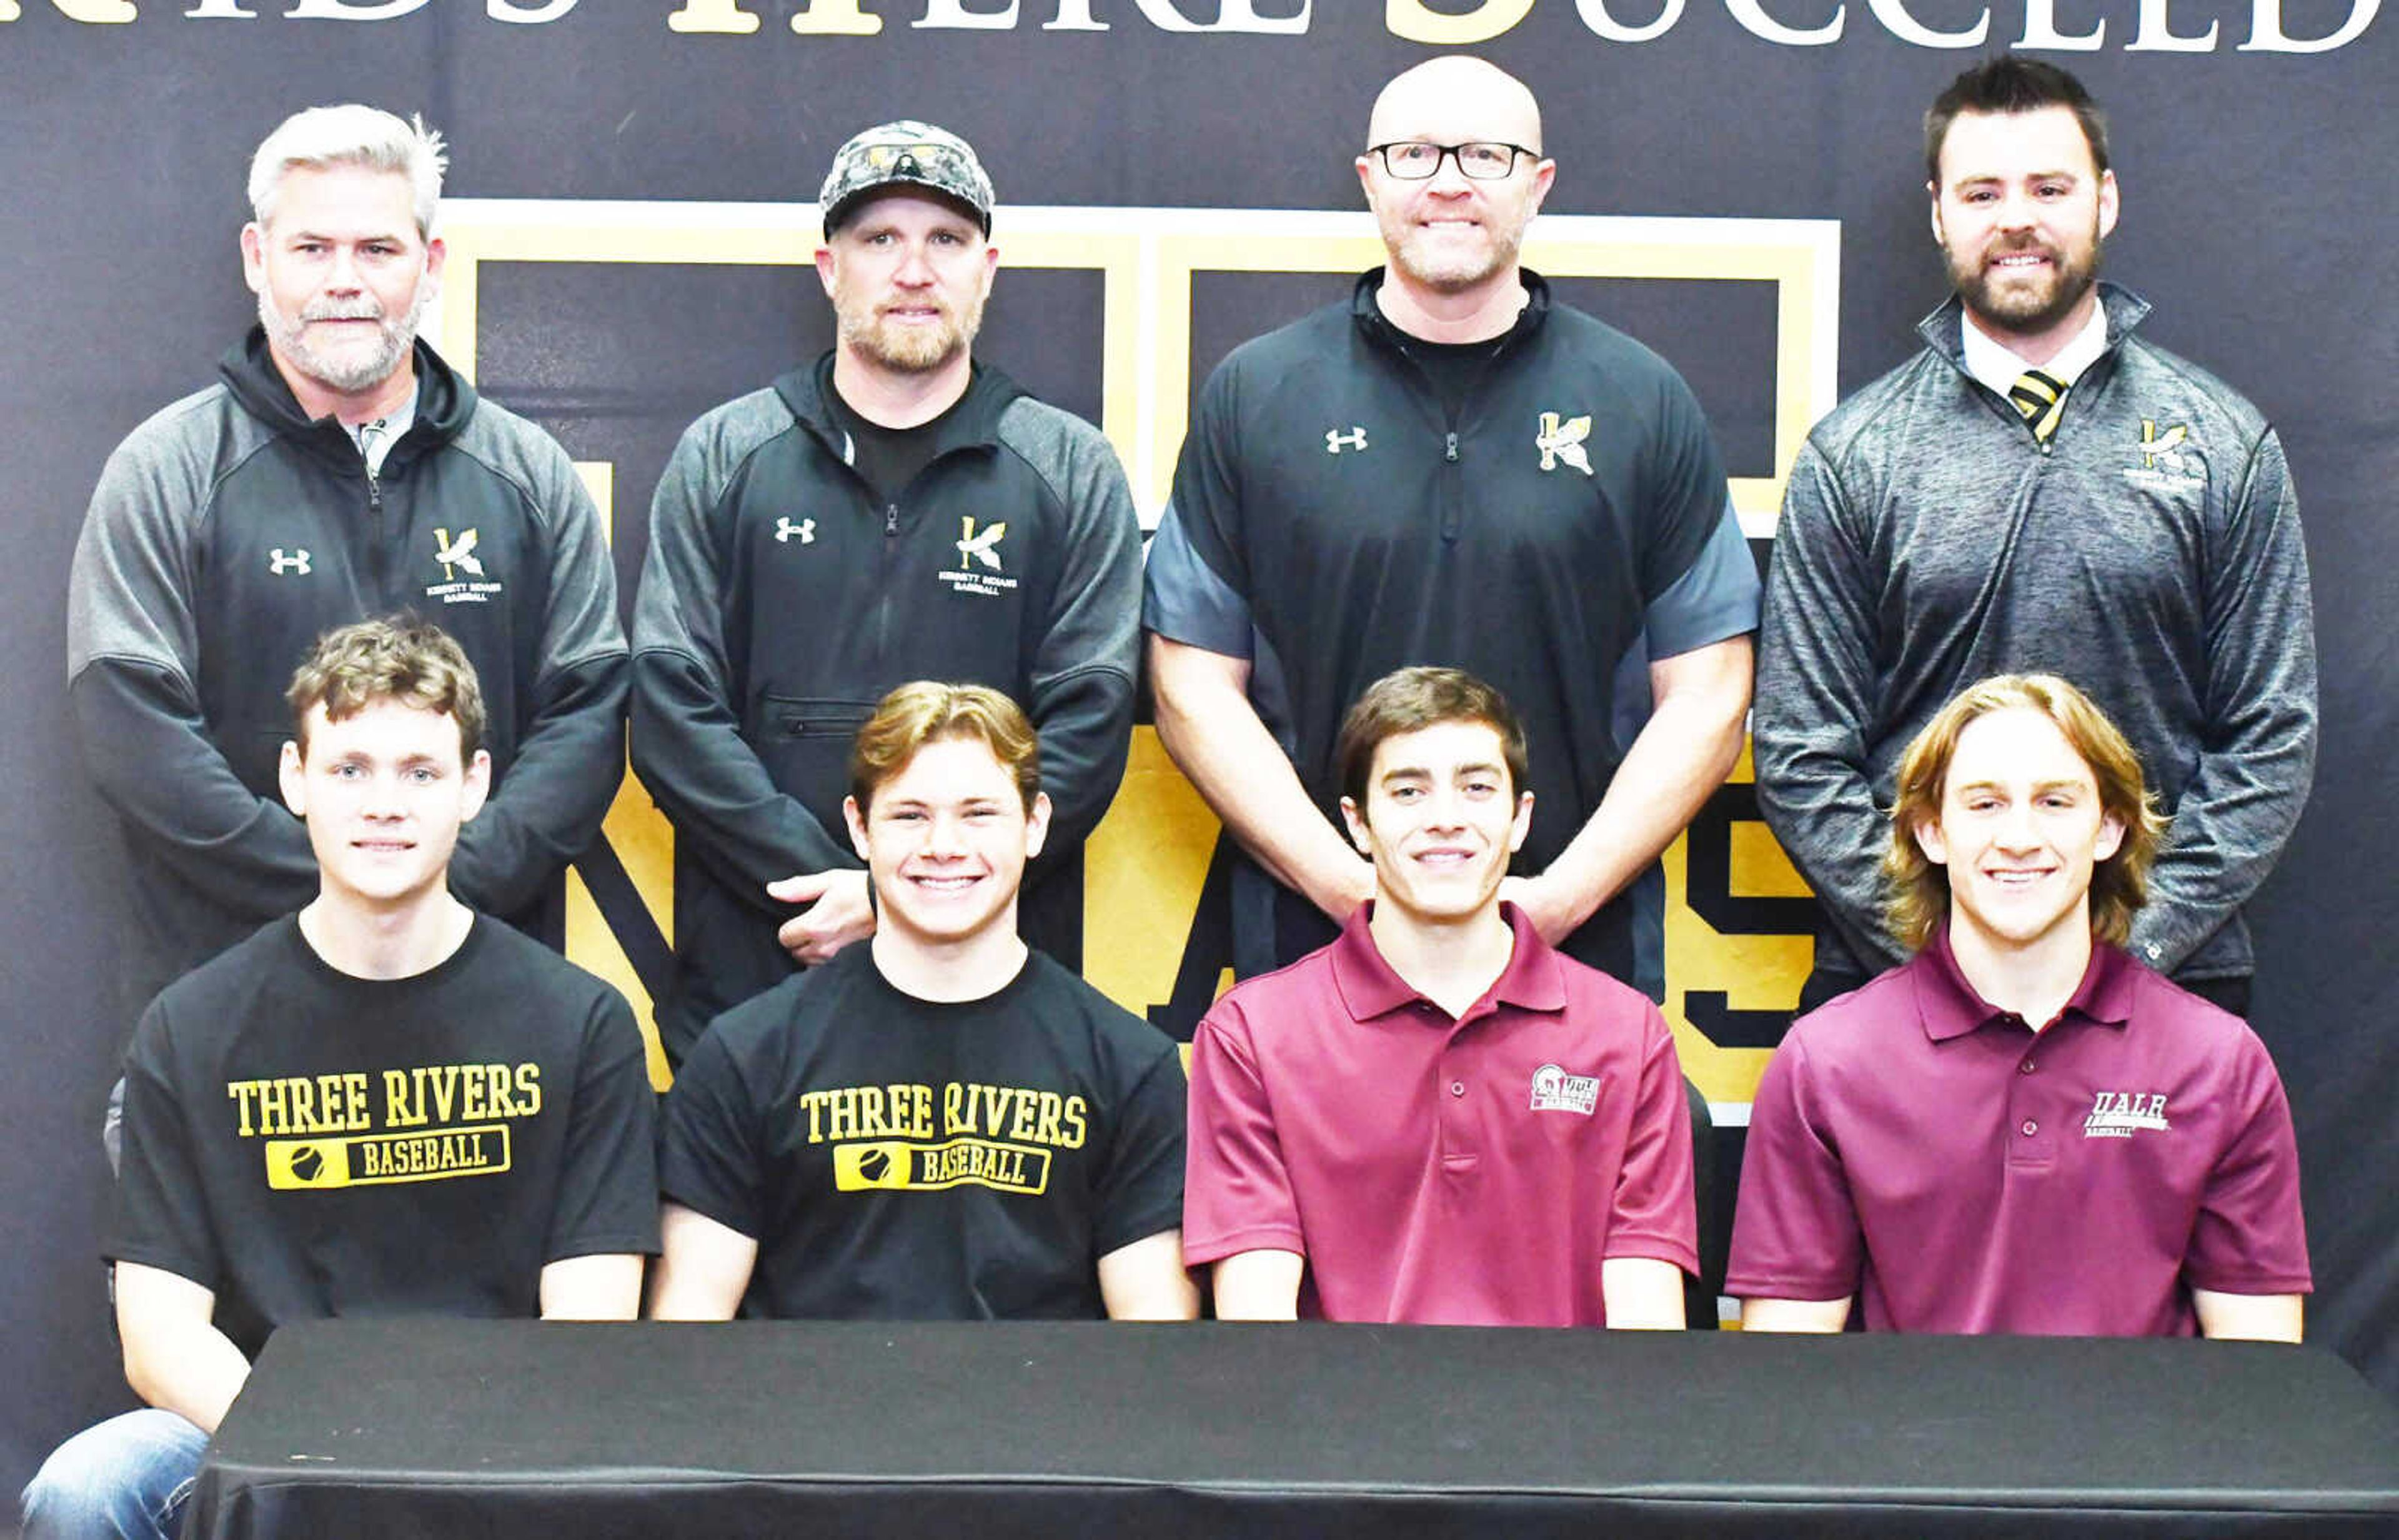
<point>2012,84</point>
<point>1407,701</point>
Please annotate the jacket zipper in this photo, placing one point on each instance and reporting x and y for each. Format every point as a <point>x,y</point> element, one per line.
<point>883,587</point>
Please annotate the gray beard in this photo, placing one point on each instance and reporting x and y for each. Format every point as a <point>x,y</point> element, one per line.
<point>353,372</point>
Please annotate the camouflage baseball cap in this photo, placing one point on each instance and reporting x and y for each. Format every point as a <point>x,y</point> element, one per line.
<point>904,154</point>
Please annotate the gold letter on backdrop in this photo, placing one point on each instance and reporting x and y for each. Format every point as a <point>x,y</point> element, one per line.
<point>1754,19</point>
<point>1409,19</point>
<point>834,18</point>
<point>2266,29</point>
<point>953,13</point>
<point>712,16</point>
<point>508,10</point>
<point>1234,15</point>
<point>95,11</point>
<point>346,11</point>
<point>1594,15</point>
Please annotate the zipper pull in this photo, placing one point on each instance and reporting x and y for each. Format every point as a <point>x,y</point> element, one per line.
<point>1450,454</point>
<point>891,518</point>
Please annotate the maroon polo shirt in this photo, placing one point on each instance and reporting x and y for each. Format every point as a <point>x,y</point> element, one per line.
<point>1474,1170</point>
<point>1917,1148</point>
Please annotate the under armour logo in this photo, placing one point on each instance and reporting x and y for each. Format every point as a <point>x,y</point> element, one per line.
<point>1335,440</point>
<point>281,562</point>
<point>805,531</point>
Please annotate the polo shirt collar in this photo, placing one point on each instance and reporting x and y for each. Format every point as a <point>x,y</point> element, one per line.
<point>1369,987</point>
<point>1950,1007</point>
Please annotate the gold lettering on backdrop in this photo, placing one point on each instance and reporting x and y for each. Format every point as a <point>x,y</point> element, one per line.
<point>834,18</point>
<point>353,10</point>
<point>2266,34</point>
<point>99,13</point>
<point>716,16</point>
<point>953,13</point>
<point>1595,15</point>
<point>1420,23</point>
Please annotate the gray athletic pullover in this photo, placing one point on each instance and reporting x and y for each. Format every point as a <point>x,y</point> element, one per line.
<point>2150,552</point>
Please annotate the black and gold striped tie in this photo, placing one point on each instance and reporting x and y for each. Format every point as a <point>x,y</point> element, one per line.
<point>2042,398</point>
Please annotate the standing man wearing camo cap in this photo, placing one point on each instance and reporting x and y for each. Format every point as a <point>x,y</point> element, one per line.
<point>895,510</point>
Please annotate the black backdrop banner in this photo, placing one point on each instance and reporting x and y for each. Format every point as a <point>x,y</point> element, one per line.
<point>1740,184</point>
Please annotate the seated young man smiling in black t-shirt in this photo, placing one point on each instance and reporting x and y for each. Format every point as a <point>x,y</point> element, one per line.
<point>941,1124</point>
<point>386,1103</point>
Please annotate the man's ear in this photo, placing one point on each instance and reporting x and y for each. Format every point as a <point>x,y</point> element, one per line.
<point>1522,824</point>
<point>253,256</point>
<point>852,815</point>
<point>477,784</point>
<point>2111,839</point>
<point>290,776</point>
<point>825,268</point>
<point>1037,825</point>
<point>1930,840</point>
<point>1357,824</point>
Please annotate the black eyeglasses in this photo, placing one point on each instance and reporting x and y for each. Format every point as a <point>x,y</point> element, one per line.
<point>1481,160</point>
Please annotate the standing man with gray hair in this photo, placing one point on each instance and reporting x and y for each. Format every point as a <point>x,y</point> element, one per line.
<point>338,469</point>
<point>895,510</point>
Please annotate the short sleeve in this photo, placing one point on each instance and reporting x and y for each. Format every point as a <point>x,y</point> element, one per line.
<point>1182,600</point>
<point>2249,1236</point>
<point>1197,586</point>
<point>1717,598</point>
<point>1684,493</point>
<point>162,1215</point>
<point>1141,1189</point>
<point>709,1156</point>
<point>1237,1194</point>
<point>608,1187</point>
<point>1654,1214</point>
<point>1795,1233</point>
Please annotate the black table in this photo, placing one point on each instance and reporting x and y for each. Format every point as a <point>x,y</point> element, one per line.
<point>461,1429</point>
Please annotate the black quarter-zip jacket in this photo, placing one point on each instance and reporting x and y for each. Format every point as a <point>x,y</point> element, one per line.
<point>782,599</point>
<point>229,531</point>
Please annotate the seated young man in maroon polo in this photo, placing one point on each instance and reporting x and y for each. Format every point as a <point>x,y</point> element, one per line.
<point>2022,1129</point>
<point>1439,1119</point>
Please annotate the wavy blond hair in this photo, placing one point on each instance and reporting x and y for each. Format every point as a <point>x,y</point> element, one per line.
<point>1920,888</point>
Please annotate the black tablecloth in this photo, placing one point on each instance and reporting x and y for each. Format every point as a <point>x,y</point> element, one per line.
<point>473,1428</point>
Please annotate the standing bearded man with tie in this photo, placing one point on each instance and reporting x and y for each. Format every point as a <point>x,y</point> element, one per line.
<point>2039,489</point>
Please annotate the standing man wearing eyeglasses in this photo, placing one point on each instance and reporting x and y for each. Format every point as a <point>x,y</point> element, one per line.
<point>1450,469</point>
<point>896,510</point>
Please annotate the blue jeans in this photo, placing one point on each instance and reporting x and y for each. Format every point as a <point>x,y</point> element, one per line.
<point>127,1476</point>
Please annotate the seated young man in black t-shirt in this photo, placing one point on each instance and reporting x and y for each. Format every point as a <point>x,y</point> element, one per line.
<point>941,1124</point>
<point>386,1103</point>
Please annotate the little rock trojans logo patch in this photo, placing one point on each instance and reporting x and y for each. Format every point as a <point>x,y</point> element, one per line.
<point>1556,1091</point>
